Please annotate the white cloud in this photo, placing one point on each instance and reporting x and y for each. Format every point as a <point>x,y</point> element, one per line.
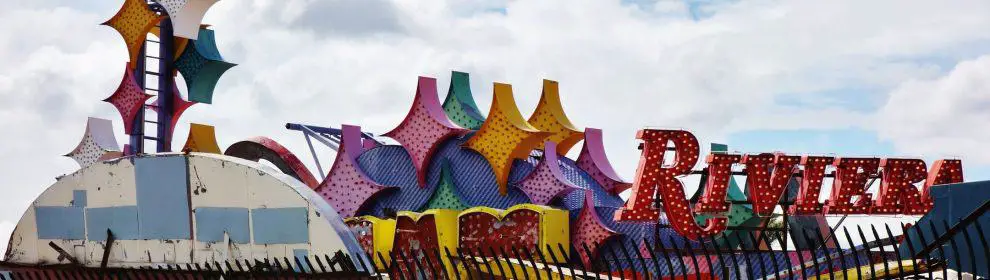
<point>621,67</point>
<point>946,116</point>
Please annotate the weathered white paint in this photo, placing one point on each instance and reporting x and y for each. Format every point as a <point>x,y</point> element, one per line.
<point>215,181</point>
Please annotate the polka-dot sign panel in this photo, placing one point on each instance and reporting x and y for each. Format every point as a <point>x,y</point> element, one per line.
<point>363,230</point>
<point>413,237</point>
<point>592,160</point>
<point>459,104</point>
<point>98,143</point>
<point>481,230</point>
<point>505,136</point>
<point>424,128</point>
<point>133,21</point>
<point>547,181</point>
<point>128,99</point>
<point>186,15</point>
<point>589,230</point>
<point>346,187</point>
<point>549,117</point>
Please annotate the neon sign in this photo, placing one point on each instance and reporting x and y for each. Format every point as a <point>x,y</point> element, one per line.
<point>767,176</point>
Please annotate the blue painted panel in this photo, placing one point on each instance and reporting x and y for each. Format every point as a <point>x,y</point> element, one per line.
<point>280,225</point>
<point>953,202</point>
<point>301,256</point>
<point>79,198</point>
<point>57,222</point>
<point>163,197</point>
<point>122,220</point>
<point>212,222</point>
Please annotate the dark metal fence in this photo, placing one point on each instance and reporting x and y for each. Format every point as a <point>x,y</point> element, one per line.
<point>927,250</point>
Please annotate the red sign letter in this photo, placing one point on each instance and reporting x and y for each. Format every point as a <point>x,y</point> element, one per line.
<point>811,185</point>
<point>944,171</point>
<point>766,185</point>
<point>897,191</point>
<point>719,173</point>
<point>651,173</point>
<point>850,181</point>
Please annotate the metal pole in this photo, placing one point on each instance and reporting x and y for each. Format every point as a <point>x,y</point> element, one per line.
<point>166,84</point>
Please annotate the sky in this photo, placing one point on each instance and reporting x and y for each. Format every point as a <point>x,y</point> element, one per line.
<point>902,78</point>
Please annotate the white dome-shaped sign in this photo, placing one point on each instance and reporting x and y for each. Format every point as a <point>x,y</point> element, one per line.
<point>175,209</point>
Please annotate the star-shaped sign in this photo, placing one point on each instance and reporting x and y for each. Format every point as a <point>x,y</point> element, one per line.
<point>505,136</point>
<point>593,160</point>
<point>424,127</point>
<point>445,196</point>
<point>186,15</point>
<point>133,21</point>
<point>549,116</point>
<point>546,181</point>
<point>202,139</point>
<point>201,66</point>
<point>179,105</point>
<point>128,99</point>
<point>589,230</point>
<point>98,143</point>
<point>346,187</point>
<point>459,105</point>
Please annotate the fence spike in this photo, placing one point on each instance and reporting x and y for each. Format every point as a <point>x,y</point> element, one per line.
<point>969,248</point>
<point>745,256</point>
<point>680,258</point>
<point>842,253</point>
<point>983,240</point>
<point>429,263</point>
<point>539,253</point>
<point>883,253</point>
<point>387,265</point>
<point>519,258</point>
<point>498,262</point>
<point>707,255</point>
<point>895,251</point>
<point>816,268</point>
<point>639,255</point>
<point>532,261</point>
<point>560,265</point>
<point>941,251</point>
<point>955,248</point>
<point>866,250</point>
<point>604,257</point>
<point>776,271</point>
<point>471,260</point>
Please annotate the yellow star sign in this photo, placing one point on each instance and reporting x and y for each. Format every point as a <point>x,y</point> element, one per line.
<point>505,136</point>
<point>133,22</point>
<point>549,117</point>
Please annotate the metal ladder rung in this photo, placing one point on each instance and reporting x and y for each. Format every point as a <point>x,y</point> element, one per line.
<point>152,73</point>
<point>152,89</point>
<point>154,57</point>
<point>151,138</point>
<point>152,41</point>
<point>154,122</point>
